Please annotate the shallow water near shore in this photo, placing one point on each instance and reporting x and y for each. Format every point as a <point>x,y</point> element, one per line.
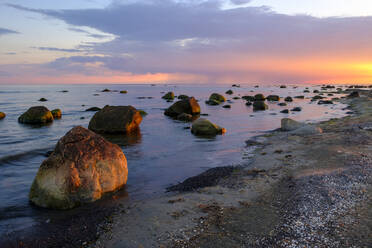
<point>164,153</point>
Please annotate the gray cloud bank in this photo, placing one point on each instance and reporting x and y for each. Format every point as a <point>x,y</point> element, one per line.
<point>203,38</point>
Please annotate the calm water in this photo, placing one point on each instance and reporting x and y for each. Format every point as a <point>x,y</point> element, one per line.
<point>165,153</point>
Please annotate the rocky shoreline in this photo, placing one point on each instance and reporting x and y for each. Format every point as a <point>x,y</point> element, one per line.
<point>298,191</point>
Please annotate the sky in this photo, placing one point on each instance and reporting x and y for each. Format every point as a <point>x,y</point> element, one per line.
<point>185,41</point>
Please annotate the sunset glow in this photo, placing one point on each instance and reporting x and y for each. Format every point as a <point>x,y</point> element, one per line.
<point>218,42</point>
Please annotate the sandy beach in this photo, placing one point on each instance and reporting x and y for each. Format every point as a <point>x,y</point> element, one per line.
<point>296,191</point>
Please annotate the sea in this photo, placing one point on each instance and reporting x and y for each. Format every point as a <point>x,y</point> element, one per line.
<point>164,153</point>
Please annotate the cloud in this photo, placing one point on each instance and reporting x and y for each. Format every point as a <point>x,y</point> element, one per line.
<point>4,31</point>
<point>203,38</point>
<point>55,49</point>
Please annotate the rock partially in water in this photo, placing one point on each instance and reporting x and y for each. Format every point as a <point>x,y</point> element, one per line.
<point>259,105</point>
<point>248,103</point>
<point>123,92</point>
<point>248,98</point>
<point>321,102</point>
<point>282,104</point>
<point>285,111</point>
<point>273,98</point>
<point>187,106</point>
<point>2,115</point>
<point>307,130</point>
<point>353,94</point>
<point>93,109</point>
<point>229,92</point>
<point>216,99</point>
<point>299,128</point>
<point>57,113</point>
<point>106,90</point>
<point>206,179</point>
<point>297,109</point>
<point>183,97</point>
<point>43,99</point>
<point>259,97</point>
<point>226,106</point>
<point>168,96</point>
<point>288,99</point>
<point>288,124</point>
<point>283,86</point>
<point>116,119</point>
<point>36,115</point>
<point>82,168</point>
<point>204,127</point>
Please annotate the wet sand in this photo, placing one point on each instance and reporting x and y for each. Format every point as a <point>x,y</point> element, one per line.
<point>297,191</point>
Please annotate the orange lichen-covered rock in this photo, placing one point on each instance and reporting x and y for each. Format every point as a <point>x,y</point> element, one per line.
<point>83,167</point>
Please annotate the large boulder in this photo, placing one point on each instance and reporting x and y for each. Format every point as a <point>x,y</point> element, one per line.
<point>204,127</point>
<point>2,115</point>
<point>188,106</point>
<point>115,119</point>
<point>81,169</point>
<point>36,115</point>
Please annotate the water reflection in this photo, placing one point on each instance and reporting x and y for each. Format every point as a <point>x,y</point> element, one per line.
<point>123,140</point>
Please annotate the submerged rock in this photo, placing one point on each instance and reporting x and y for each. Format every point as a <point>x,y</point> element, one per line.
<point>226,106</point>
<point>93,109</point>
<point>115,119</point>
<point>229,92</point>
<point>36,115</point>
<point>187,106</point>
<point>57,113</point>
<point>2,115</point>
<point>204,127</point>
<point>282,104</point>
<point>168,96</point>
<point>259,105</point>
<point>82,168</point>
